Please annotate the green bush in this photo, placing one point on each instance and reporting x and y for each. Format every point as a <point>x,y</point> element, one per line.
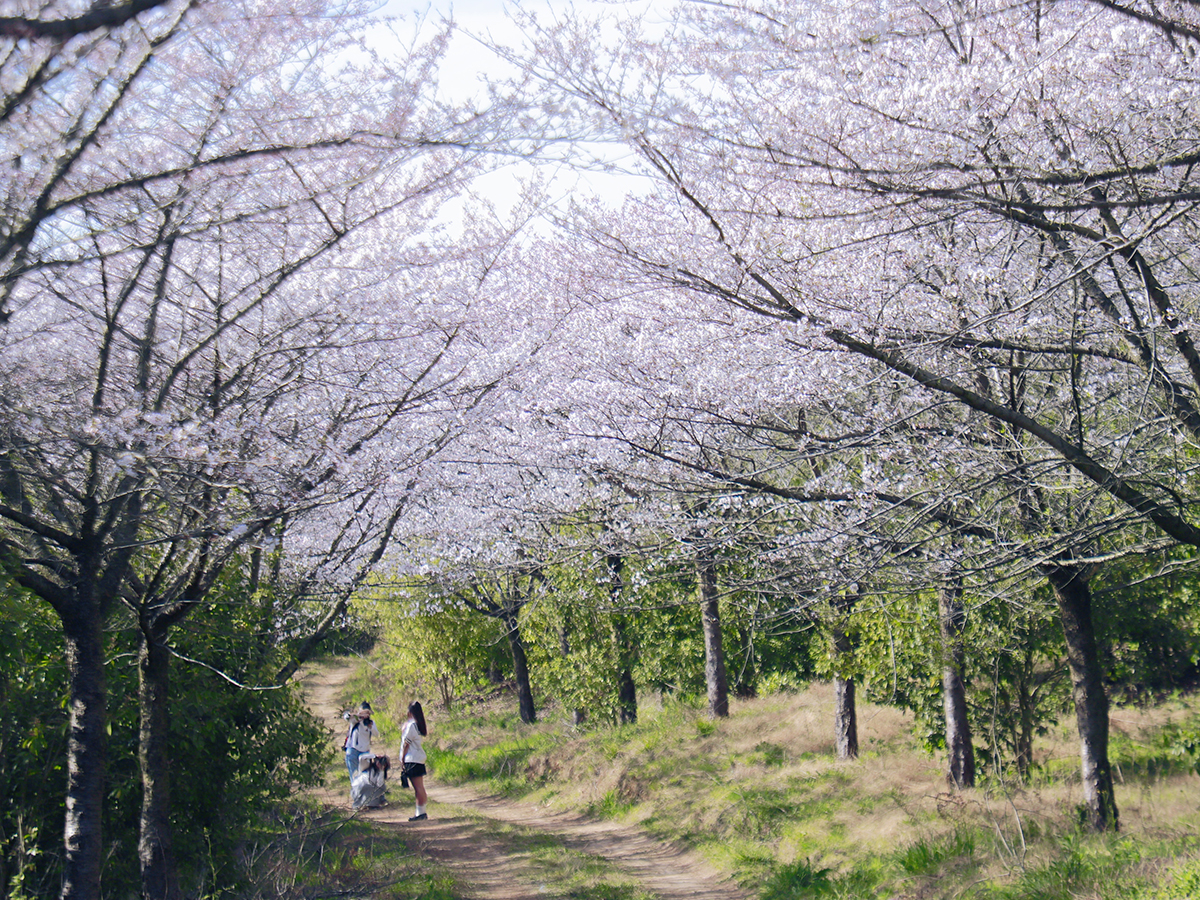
<point>435,647</point>
<point>798,880</point>
<point>926,856</point>
<point>234,753</point>
<point>1181,882</point>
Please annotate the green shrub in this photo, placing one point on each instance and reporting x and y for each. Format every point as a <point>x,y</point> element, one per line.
<point>927,855</point>
<point>798,880</point>
<point>1182,882</point>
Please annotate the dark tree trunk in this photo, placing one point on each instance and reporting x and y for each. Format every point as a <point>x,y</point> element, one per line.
<point>627,711</point>
<point>1074,598</point>
<point>160,878</point>
<point>520,670</point>
<point>845,712</point>
<point>845,718</point>
<point>87,750</point>
<point>952,618</point>
<point>715,677</point>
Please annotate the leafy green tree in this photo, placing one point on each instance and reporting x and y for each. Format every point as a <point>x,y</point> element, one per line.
<point>235,751</point>
<point>33,739</point>
<point>1147,622</point>
<point>435,646</point>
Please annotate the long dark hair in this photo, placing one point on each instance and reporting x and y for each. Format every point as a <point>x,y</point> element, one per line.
<point>414,710</point>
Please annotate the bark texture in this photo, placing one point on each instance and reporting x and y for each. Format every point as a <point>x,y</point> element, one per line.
<point>960,770</point>
<point>516,644</point>
<point>1074,598</point>
<point>623,639</point>
<point>845,712</point>
<point>87,751</point>
<point>159,869</point>
<point>845,718</point>
<point>715,677</point>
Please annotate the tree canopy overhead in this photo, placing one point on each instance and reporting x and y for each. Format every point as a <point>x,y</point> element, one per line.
<point>901,314</point>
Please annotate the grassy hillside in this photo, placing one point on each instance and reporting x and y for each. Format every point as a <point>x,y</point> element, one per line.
<point>761,795</point>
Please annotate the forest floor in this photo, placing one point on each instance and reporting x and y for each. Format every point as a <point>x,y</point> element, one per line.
<point>484,841</point>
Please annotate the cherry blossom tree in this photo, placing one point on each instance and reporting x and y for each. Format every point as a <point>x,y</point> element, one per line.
<point>209,281</point>
<point>989,207</point>
<point>68,23</point>
<point>65,75</point>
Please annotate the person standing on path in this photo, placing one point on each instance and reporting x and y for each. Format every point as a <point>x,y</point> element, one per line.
<point>412,757</point>
<point>358,738</point>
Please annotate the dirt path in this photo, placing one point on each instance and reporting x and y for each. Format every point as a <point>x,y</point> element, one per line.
<point>456,833</point>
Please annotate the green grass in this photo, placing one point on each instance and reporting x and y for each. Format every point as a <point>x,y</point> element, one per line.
<point>768,755</point>
<point>1181,881</point>
<point>1170,750</point>
<point>504,766</point>
<point>579,876</point>
<point>763,810</point>
<point>304,851</point>
<point>762,797</point>
<point>610,806</point>
<point>927,855</point>
<point>798,879</point>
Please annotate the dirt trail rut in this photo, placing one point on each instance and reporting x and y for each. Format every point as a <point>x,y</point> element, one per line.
<point>455,834</point>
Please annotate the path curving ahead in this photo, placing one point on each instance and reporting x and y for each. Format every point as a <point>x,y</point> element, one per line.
<point>457,833</point>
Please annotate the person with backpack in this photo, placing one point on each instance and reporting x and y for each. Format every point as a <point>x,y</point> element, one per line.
<point>358,738</point>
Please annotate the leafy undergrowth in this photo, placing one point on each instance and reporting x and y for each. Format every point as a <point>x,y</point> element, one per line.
<point>306,852</point>
<point>762,796</point>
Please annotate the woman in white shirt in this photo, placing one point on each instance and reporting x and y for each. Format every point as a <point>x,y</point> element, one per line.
<point>358,738</point>
<point>412,756</point>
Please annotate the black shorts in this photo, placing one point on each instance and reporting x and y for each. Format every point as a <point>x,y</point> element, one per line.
<point>414,770</point>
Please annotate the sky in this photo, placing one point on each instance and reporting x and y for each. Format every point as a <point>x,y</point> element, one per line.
<point>467,61</point>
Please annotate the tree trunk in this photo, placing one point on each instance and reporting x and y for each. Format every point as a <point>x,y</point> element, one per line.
<point>845,718</point>
<point>715,677</point>
<point>627,705</point>
<point>87,750</point>
<point>1091,703</point>
<point>623,641</point>
<point>520,670</point>
<point>160,877</point>
<point>845,712</point>
<point>961,762</point>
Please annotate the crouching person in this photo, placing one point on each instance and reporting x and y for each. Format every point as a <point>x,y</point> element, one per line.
<point>369,784</point>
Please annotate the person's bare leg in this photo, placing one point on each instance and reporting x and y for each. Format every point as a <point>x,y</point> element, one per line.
<point>418,784</point>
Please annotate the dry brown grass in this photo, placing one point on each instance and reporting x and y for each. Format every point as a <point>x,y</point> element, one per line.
<point>764,784</point>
